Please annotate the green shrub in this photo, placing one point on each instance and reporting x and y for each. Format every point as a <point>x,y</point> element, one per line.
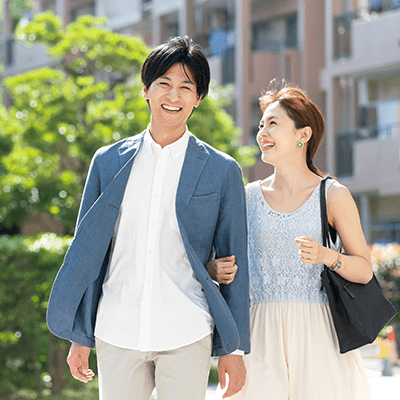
<point>386,264</point>
<point>30,357</point>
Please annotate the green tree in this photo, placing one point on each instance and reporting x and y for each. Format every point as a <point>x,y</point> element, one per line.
<point>30,357</point>
<point>386,264</point>
<point>61,115</point>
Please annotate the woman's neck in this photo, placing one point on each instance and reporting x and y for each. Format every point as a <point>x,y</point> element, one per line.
<point>292,180</point>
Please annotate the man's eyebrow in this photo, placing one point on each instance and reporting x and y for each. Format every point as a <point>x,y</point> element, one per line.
<point>169,79</point>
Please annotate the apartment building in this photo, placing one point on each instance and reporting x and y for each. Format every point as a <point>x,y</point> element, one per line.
<point>361,79</point>
<point>344,53</point>
<point>247,42</point>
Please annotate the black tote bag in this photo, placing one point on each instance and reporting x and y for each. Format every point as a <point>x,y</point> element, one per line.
<point>359,311</point>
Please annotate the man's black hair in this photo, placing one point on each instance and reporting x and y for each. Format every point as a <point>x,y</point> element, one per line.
<point>178,50</point>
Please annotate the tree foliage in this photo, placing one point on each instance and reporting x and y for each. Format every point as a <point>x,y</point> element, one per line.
<point>386,264</point>
<point>29,354</point>
<point>91,97</point>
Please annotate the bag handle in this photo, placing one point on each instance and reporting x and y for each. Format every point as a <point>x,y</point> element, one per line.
<point>324,213</point>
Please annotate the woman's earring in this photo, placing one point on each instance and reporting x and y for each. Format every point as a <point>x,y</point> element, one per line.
<point>300,144</point>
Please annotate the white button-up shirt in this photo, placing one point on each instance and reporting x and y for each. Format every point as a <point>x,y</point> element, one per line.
<point>151,298</point>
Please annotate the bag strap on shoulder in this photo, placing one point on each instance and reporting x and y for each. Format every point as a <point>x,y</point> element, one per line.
<point>324,213</point>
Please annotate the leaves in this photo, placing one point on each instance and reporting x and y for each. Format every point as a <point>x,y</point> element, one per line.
<point>27,269</point>
<point>386,264</point>
<point>61,115</point>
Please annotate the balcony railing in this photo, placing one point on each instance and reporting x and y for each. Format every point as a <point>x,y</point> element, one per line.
<point>146,6</point>
<point>379,6</point>
<point>342,34</point>
<point>342,24</point>
<point>345,144</point>
<point>274,46</point>
<point>385,230</point>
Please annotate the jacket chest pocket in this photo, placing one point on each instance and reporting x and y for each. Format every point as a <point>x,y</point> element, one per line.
<point>202,211</point>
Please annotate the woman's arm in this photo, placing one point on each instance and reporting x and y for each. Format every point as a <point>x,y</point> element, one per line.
<point>343,216</point>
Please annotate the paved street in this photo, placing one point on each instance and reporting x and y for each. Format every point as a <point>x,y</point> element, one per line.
<point>382,387</point>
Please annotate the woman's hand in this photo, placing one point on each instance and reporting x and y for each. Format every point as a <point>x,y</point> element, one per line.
<point>312,252</point>
<point>222,270</point>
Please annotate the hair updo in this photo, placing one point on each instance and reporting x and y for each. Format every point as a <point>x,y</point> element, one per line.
<point>302,111</point>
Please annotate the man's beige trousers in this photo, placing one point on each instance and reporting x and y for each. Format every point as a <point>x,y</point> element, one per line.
<point>180,374</point>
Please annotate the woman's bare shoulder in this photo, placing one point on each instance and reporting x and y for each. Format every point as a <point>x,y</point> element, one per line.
<point>338,193</point>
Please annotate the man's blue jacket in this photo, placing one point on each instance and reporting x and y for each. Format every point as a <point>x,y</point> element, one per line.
<point>211,213</point>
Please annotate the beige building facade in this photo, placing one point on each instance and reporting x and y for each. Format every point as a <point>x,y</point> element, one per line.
<point>361,80</point>
<point>344,53</point>
<point>248,43</point>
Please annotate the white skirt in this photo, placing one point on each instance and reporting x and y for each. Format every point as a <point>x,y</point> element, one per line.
<point>295,356</point>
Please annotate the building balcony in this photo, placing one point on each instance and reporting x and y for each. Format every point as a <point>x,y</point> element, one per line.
<point>367,159</point>
<point>385,230</point>
<point>367,37</point>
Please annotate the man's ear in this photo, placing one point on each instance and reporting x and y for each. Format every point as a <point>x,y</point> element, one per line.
<point>306,134</point>
<point>145,93</point>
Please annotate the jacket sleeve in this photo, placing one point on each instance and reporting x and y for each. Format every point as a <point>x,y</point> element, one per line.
<point>91,191</point>
<point>231,239</point>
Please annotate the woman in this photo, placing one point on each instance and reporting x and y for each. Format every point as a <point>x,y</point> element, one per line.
<point>294,349</point>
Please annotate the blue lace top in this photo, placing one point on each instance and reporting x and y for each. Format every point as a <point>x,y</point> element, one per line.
<point>276,272</point>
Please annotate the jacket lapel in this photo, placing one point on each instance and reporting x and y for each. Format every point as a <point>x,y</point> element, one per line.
<point>115,190</point>
<point>130,148</point>
<point>195,159</point>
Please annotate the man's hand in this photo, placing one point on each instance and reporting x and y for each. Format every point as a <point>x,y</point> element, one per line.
<point>232,365</point>
<point>222,270</point>
<point>78,361</point>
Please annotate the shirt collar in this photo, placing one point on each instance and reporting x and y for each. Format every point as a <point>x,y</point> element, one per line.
<point>176,148</point>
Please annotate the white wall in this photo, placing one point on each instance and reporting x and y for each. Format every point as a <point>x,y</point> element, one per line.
<point>376,167</point>
<point>25,58</point>
<point>120,13</point>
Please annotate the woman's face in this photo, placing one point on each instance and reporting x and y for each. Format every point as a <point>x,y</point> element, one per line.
<point>277,135</point>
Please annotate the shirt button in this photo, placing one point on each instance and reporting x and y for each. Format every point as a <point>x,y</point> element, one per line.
<point>148,280</point>
<point>156,196</point>
<point>150,252</point>
<point>159,168</point>
<point>145,309</point>
<point>153,224</point>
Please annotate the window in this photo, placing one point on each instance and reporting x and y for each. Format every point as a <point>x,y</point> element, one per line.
<point>146,4</point>
<point>228,66</point>
<point>342,34</point>
<point>275,35</point>
<point>9,51</point>
<point>170,26</point>
<point>379,119</point>
<point>88,8</point>
<point>215,28</point>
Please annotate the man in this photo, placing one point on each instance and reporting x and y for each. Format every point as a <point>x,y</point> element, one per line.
<point>133,283</point>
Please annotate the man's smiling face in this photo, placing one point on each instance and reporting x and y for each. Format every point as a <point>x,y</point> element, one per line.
<point>172,98</point>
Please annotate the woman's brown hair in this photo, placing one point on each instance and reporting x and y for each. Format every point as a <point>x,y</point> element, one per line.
<point>303,112</point>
